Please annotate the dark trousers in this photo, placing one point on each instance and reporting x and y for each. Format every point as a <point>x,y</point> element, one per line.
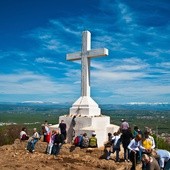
<point>126,153</point>
<point>134,159</point>
<point>31,145</point>
<point>117,150</point>
<point>64,134</point>
<point>56,149</point>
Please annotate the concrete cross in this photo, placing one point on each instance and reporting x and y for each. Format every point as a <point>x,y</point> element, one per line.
<point>85,56</point>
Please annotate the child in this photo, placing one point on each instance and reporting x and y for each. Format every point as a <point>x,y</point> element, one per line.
<point>116,145</point>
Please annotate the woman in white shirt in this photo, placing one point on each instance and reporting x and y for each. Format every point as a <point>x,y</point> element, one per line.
<point>23,134</point>
<point>134,147</point>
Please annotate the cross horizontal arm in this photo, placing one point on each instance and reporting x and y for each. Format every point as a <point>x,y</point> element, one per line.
<point>97,52</point>
<point>74,56</point>
<point>90,54</point>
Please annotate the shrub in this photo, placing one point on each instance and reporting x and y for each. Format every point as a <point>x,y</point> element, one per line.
<point>9,133</point>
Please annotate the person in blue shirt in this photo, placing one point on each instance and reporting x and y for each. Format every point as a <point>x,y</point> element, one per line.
<point>163,159</point>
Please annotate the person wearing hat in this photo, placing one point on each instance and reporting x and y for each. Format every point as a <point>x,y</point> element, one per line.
<point>93,141</point>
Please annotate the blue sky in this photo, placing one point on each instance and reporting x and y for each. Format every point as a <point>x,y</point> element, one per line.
<point>36,35</point>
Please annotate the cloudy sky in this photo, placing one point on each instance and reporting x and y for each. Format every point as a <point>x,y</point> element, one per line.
<point>36,35</point>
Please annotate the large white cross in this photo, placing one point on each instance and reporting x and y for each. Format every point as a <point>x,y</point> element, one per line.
<point>85,56</point>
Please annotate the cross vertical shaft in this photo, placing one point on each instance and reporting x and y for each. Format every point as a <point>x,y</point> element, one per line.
<point>85,71</point>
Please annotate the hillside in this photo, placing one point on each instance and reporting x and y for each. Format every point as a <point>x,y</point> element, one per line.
<point>15,157</point>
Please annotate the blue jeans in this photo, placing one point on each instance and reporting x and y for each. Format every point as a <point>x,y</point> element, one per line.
<point>31,145</point>
<point>56,149</point>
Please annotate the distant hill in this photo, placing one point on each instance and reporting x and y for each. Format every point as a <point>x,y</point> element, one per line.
<point>131,106</point>
<point>136,107</point>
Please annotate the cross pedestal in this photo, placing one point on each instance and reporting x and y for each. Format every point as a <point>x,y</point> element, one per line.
<point>85,106</point>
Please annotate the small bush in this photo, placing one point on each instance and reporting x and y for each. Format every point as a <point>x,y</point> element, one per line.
<point>161,143</point>
<point>8,134</point>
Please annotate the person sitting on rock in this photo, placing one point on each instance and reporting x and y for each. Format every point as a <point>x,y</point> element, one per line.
<point>33,140</point>
<point>93,141</point>
<point>107,150</point>
<point>134,147</point>
<point>148,143</point>
<point>85,141</point>
<point>23,134</point>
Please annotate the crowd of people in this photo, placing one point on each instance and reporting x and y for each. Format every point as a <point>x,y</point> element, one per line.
<point>138,147</point>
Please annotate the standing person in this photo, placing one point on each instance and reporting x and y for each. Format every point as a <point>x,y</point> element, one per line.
<point>93,141</point>
<point>150,162</point>
<point>33,140</point>
<point>116,145</point>
<point>58,142</point>
<point>124,126</point>
<point>46,131</point>
<point>23,134</point>
<point>134,147</point>
<point>125,139</point>
<point>63,128</point>
<point>50,145</point>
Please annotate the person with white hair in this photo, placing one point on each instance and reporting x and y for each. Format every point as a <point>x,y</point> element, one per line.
<point>124,126</point>
<point>33,140</point>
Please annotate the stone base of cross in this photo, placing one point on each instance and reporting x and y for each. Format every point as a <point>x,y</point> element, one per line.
<point>85,106</point>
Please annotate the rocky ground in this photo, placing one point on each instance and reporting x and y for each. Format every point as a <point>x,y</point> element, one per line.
<point>15,157</point>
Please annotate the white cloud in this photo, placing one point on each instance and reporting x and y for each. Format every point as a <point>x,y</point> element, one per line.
<point>155,54</point>
<point>116,76</point>
<point>44,60</point>
<point>60,25</point>
<point>31,83</point>
<point>126,15</point>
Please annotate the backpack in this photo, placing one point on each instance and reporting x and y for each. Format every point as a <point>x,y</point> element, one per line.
<point>78,140</point>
